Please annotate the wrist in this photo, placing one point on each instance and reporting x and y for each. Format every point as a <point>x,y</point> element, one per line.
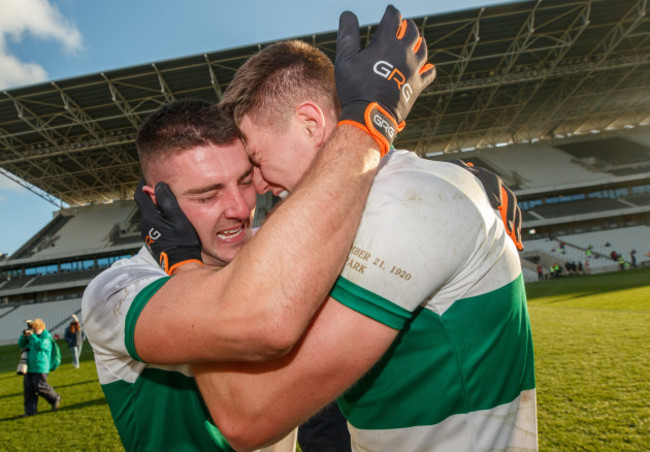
<point>356,136</point>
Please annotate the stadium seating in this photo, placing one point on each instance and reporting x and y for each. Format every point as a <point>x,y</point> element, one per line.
<point>602,243</point>
<point>55,314</point>
<point>621,240</point>
<point>609,151</point>
<point>87,229</point>
<point>539,165</point>
<point>562,209</point>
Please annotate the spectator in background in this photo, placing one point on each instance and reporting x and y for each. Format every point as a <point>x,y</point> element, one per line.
<point>540,272</point>
<point>74,337</point>
<point>38,341</point>
<point>633,258</point>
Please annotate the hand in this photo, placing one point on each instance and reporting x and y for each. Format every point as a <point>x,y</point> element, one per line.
<point>378,86</point>
<point>501,198</point>
<point>165,229</point>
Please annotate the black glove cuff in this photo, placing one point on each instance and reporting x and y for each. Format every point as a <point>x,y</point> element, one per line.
<point>373,119</point>
<point>171,259</point>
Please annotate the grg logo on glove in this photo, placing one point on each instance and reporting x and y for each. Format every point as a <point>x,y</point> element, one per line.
<point>389,72</point>
<point>151,237</point>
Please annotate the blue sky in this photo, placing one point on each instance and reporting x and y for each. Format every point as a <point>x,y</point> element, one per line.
<point>43,40</point>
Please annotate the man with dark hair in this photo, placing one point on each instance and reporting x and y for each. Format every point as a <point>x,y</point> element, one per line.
<point>425,336</point>
<point>145,326</point>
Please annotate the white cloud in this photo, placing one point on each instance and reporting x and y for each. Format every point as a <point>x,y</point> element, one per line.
<point>37,18</point>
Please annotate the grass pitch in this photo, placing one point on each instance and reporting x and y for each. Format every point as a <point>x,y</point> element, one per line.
<point>592,351</point>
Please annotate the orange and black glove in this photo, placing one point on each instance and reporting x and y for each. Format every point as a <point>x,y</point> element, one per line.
<point>377,86</point>
<point>165,229</point>
<point>501,198</point>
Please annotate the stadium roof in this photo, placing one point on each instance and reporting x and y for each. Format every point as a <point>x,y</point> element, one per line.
<point>507,73</point>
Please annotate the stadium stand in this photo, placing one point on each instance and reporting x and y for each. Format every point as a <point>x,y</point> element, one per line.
<point>56,316</point>
<point>61,259</point>
<point>538,165</point>
<point>86,228</point>
<point>620,240</point>
<point>580,167</point>
<point>562,209</point>
<point>573,248</point>
<point>638,200</point>
<point>608,151</point>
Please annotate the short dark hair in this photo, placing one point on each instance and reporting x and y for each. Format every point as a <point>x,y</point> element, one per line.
<point>181,125</point>
<point>271,83</point>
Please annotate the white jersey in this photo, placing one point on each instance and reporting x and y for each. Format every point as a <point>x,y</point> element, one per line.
<point>432,259</point>
<point>153,407</point>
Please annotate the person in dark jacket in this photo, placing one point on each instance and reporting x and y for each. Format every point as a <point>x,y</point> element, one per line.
<point>74,338</point>
<point>38,341</point>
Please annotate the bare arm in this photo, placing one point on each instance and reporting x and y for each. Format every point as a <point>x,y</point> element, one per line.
<point>258,306</point>
<point>255,404</point>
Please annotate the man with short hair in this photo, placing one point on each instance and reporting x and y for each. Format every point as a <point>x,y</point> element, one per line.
<point>145,326</point>
<point>426,336</point>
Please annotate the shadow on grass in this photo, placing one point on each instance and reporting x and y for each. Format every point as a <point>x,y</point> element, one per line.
<point>572,287</point>
<point>573,296</point>
<point>85,382</point>
<point>6,396</point>
<point>76,406</point>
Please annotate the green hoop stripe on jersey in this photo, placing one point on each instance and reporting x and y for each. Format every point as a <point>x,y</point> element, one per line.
<point>139,302</point>
<point>441,350</point>
<point>370,304</point>
<point>139,408</point>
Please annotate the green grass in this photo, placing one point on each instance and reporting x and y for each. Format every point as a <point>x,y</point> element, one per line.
<point>592,351</point>
<point>83,422</point>
<point>592,339</point>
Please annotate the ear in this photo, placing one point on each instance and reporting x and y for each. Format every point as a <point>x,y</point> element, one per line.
<point>151,192</point>
<point>312,119</point>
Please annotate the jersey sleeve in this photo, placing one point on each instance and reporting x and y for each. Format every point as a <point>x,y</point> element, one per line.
<point>110,306</point>
<point>417,232</point>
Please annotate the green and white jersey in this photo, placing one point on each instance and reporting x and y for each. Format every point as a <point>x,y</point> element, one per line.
<point>154,407</point>
<point>432,259</point>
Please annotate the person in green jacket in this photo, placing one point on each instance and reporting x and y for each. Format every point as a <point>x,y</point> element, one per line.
<point>38,341</point>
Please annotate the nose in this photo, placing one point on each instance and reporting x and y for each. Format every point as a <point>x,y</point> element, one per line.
<point>260,184</point>
<point>237,208</point>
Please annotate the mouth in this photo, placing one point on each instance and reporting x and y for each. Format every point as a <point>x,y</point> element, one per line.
<point>232,233</point>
